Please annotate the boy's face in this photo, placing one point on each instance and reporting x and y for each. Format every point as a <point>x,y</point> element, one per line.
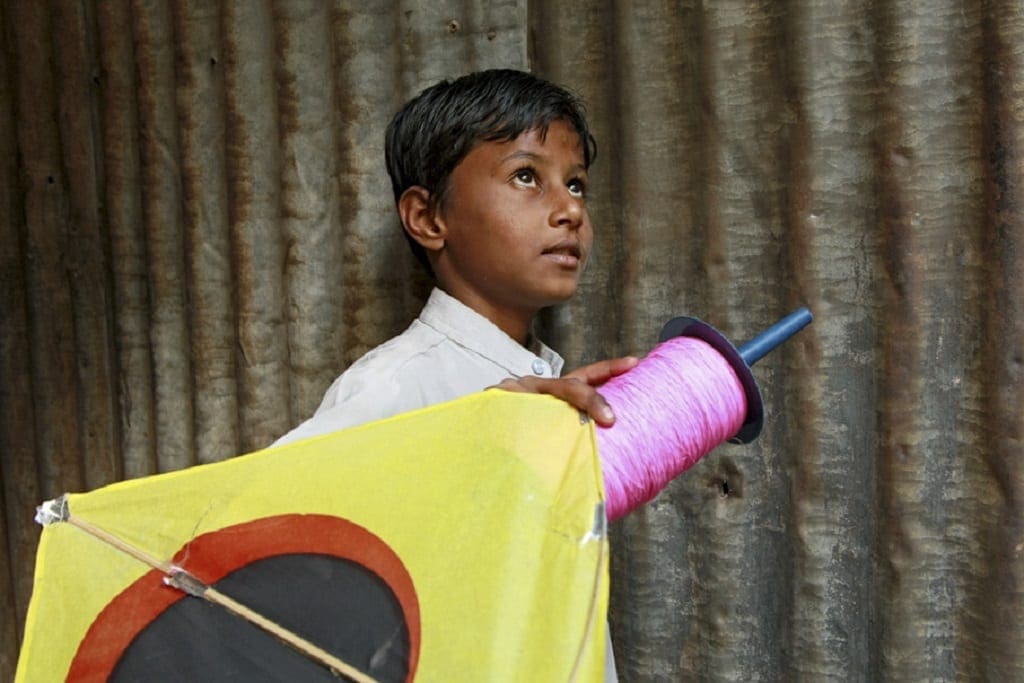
<point>517,233</point>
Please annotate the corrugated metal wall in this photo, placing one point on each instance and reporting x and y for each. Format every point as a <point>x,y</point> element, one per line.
<point>198,236</point>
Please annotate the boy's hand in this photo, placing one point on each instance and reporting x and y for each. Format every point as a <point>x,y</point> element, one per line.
<point>577,388</point>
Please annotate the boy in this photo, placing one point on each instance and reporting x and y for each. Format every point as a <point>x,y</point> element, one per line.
<point>489,174</point>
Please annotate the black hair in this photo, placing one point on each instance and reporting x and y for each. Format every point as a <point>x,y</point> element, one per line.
<point>435,130</point>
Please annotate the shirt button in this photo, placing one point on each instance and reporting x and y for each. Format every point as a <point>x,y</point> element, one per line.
<point>539,366</point>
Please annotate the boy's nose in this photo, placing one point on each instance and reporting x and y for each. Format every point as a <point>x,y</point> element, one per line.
<point>567,211</point>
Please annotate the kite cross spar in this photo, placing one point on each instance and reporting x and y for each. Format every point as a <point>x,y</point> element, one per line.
<point>693,392</point>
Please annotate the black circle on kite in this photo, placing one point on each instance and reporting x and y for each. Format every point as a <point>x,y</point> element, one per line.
<point>323,578</point>
<point>339,605</point>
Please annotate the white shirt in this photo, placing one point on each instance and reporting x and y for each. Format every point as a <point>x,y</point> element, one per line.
<point>449,351</point>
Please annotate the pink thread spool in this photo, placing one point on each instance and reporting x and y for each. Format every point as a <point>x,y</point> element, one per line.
<point>665,425</point>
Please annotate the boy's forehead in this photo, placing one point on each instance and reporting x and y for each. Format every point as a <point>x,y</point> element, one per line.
<point>558,134</point>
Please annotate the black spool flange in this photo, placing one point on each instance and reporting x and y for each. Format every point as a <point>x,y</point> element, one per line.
<point>740,360</point>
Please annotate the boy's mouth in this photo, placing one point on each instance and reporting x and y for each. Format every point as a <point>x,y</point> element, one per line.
<point>566,252</point>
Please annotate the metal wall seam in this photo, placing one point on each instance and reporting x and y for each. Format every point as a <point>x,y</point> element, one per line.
<point>160,168</point>
<point>309,198</point>
<point>254,191</point>
<point>127,243</point>
<point>201,121</point>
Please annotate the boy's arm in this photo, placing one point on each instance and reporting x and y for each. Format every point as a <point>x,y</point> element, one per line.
<point>577,388</point>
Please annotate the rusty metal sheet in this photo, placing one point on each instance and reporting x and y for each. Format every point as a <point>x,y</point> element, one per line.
<point>200,234</point>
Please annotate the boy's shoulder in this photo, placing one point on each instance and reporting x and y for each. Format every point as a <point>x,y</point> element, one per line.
<point>447,352</point>
<point>383,382</point>
<point>384,369</point>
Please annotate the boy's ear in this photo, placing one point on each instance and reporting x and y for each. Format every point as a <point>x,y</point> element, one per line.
<point>420,218</point>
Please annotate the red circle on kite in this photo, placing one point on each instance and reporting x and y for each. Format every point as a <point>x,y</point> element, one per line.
<point>217,554</point>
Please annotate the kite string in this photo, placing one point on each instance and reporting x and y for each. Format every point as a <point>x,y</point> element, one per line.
<point>186,582</point>
<point>678,404</point>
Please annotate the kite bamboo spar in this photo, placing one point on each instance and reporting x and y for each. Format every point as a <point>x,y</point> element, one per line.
<point>57,510</point>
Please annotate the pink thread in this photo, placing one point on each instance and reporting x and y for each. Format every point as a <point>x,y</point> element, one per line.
<point>678,404</point>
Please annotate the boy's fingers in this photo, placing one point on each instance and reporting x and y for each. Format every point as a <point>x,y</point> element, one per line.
<point>510,384</point>
<point>573,390</point>
<point>602,371</point>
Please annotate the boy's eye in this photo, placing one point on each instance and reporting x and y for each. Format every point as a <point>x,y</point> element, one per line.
<point>526,176</point>
<point>577,187</point>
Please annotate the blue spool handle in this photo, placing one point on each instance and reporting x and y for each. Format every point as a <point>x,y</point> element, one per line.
<point>756,349</point>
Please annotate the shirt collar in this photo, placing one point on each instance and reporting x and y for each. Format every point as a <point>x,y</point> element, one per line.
<point>469,329</point>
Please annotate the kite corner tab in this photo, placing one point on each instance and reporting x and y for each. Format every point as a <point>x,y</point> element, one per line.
<point>52,511</point>
<point>600,528</point>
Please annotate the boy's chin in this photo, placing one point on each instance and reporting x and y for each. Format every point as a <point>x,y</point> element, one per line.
<point>560,296</point>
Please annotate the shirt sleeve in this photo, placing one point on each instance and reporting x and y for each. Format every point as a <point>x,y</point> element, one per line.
<point>355,403</point>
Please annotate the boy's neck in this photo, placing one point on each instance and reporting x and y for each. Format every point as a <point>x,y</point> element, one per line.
<point>518,329</point>
<point>516,324</point>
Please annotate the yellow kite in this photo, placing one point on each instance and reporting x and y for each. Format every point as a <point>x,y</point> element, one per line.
<point>464,541</point>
